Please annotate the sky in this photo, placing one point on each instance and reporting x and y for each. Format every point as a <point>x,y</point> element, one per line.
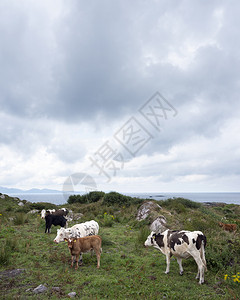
<point>126,96</point>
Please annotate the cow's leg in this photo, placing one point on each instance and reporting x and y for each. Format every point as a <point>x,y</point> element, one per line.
<point>80,259</point>
<point>72,261</point>
<point>179,260</point>
<point>168,263</point>
<point>77,257</point>
<point>201,267</point>
<point>98,254</point>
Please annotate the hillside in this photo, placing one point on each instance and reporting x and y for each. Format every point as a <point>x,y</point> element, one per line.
<point>28,257</point>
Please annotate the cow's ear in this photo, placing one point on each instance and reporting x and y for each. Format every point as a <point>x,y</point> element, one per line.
<point>154,236</point>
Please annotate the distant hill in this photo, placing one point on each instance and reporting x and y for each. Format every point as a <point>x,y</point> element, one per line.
<point>5,190</point>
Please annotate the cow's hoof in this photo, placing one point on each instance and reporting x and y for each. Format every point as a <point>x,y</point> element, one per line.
<point>80,262</point>
<point>181,273</point>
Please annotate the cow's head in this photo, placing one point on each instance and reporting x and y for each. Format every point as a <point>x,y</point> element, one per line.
<point>60,235</point>
<point>150,241</point>
<point>43,213</point>
<point>70,242</point>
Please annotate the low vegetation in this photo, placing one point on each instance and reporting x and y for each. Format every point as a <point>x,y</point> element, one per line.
<point>128,269</point>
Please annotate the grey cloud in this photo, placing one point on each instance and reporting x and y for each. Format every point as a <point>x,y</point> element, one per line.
<point>99,62</point>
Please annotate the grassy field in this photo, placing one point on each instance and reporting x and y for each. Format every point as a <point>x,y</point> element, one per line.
<point>128,270</point>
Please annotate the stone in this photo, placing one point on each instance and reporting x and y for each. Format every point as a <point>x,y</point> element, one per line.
<point>72,295</point>
<point>40,289</point>
<point>159,224</point>
<point>146,209</point>
<point>20,204</point>
<point>11,273</point>
<point>34,211</point>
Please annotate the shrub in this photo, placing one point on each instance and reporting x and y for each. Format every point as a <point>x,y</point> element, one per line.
<point>95,196</point>
<point>4,255</point>
<point>143,234</point>
<point>116,198</point>
<point>87,198</point>
<point>75,199</point>
<point>107,220</point>
<point>7,247</point>
<point>180,204</point>
<point>42,205</point>
<point>20,219</point>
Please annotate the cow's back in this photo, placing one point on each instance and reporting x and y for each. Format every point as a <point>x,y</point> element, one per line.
<point>89,242</point>
<point>183,243</point>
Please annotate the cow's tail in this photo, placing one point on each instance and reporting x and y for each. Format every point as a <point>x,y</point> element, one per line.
<point>202,253</point>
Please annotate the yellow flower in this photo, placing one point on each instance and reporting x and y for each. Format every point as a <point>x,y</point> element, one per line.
<point>225,277</point>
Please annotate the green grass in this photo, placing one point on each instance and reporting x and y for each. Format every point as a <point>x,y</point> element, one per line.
<point>128,270</point>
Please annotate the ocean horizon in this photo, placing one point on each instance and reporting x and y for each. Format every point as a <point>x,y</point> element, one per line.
<point>61,198</point>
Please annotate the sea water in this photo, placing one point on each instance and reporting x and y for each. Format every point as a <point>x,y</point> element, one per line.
<point>61,198</point>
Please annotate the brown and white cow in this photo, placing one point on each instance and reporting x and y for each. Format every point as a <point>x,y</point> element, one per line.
<point>81,245</point>
<point>228,227</point>
<point>181,244</point>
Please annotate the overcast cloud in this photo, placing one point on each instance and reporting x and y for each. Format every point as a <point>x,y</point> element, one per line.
<point>73,73</point>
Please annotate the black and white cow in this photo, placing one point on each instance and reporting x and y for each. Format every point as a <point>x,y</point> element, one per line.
<point>54,220</point>
<point>59,212</point>
<point>181,244</point>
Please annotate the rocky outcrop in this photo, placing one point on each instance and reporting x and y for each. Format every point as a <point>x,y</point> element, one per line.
<point>146,209</point>
<point>159,224</point>
<point>151,210</point>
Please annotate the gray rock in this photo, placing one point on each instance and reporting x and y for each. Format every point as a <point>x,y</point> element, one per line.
<point>11,273</point>
<point>40,289</point>
<point>77,216</point>
<point>145,210</point>
<point>21,204</point>
<point>159,224</point>
<point>72,295</point>
<point>34,211</point>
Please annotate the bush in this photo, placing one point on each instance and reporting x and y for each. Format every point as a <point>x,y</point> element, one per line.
<point>7,247</point>
<point>42,205</point>
<point>20,219</point>
<point>180,204</point>
<point>143,234</point>
<point>87,198</point>
<point>108,220</point>
<point>116,198</point>
<point>4,255</point>
<point>95,196</point>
